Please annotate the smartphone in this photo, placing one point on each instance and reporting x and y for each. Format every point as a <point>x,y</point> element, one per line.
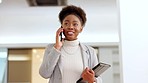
<point>61,35</point>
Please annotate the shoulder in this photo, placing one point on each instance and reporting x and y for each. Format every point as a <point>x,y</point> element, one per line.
<point>49,46</point>
<point>86,47</point>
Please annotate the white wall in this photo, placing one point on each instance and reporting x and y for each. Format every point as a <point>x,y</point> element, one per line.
<point>134,40</point>
<point>20,23</point>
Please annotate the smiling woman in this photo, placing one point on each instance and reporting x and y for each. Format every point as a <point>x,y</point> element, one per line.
<point>69,53</point>
<point>71,27</point>
<point>32,27</point>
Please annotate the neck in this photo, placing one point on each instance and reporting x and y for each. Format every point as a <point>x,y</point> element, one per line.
<point>71,39</point>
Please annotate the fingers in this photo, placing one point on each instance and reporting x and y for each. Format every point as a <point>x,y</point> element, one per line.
<point>88,75</point>
<point>58,43</point>
<point>89,71</point>
<point>59,31</point>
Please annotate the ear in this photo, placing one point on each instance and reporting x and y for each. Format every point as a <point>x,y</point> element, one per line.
<point>81,29</point>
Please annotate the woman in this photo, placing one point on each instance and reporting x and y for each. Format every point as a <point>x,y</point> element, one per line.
<point>68,60</point>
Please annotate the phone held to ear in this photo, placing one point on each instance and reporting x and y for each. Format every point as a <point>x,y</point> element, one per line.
<point>61,35</point>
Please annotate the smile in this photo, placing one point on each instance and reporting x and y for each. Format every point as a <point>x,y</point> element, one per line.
<point>70,33</point>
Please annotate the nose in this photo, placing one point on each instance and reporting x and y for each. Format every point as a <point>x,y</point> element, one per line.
<point>71,26</point>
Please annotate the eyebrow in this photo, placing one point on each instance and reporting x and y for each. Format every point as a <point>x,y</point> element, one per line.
<point>68,21</point>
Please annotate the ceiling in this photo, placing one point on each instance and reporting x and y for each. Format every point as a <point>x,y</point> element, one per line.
<point>21,23</point>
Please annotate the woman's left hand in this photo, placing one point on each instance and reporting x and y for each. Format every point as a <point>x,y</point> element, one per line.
<point>88,75</point>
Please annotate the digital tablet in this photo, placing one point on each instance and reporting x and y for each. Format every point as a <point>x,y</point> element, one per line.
<point>98,69</point>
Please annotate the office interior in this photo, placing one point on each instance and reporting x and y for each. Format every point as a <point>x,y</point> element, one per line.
<point>27,27</point>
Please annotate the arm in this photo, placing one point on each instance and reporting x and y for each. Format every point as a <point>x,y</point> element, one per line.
<point>94,62</point>
<point>51,57</point>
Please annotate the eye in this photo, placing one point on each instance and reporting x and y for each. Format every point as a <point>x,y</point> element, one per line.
<point>65,24</point>
<point>75,24</point>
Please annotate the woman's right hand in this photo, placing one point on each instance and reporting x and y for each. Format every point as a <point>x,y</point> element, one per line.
<point>58,43</point>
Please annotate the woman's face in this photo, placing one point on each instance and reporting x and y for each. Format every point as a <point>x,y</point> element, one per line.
<point>72,27</point>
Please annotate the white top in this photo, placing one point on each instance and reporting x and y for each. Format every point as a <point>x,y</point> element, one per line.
<point>72,61</point>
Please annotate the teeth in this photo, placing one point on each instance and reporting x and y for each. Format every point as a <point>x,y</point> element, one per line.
<point>70,33</point>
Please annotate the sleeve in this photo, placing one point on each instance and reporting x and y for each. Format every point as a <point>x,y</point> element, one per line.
<point>50,59</point>
<point>94,62</point>
<point>98,79</point>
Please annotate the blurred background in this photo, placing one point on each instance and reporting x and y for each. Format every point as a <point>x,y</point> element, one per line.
<point>27,26</point>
